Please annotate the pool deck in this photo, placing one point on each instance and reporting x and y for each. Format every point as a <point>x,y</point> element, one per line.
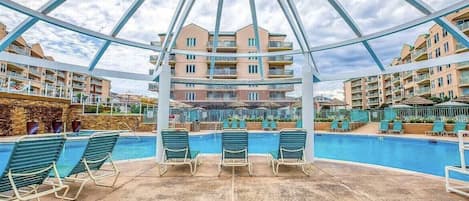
<point>139,180</point>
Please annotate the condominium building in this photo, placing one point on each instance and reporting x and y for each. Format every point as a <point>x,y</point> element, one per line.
<point>195,38</point>
<point>36,80</point>
<point>450,80</point>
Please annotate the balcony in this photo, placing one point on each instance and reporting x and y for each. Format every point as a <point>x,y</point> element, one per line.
<point>17,66</point>
<point>388,92</point>
<point>223,72</point>
<point>419,79</point>
<point>423,91</point>
<point>280,45</point>
<point>78,86</point>
<point>222,87</point>
<point>373,102</point>
<point>18,50</point>
<point>463,81</point>
<point>223,60</point>
<point>460,48</point>
<point>357,97</point>
<point>96,82</point>
<point>356,104</point>
<point>282,87</point>
<point>357,90</point>
<point>61,74</point>
<point>464,27</point>
<point>16,76</point>
<point>372,95</point>
<point>397,97</point>
<point>280,73</point>
<point>397,89</point>
<point>60,83</point>
<point>280,59</point>
<point>51,78</point>
<point>387,84</point>
<point>372,80</point>
<point>153,59</point>
<point>372,87</point>
<point>396,79</point>
<point>406,75</point>
<point>462,65</point>
<point>154,86</point>
<point>355,84</point>
<point>35,72</point>
<point>277,97</point>
<point>173,72</point>
<point>221,98</point>
<point>223,44</point>
<point>79,78</point>
<point>419,54</point>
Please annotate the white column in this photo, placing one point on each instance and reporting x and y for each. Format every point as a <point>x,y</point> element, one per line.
<point>163,107</point>
<point>307,107</point>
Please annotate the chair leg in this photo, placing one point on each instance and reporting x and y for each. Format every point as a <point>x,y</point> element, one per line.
<point>162,169</point>
<point>82,184</point>
<point>304,170</point>
<point>249,169</point>
<point>219,169</point>
<point>273,168</point>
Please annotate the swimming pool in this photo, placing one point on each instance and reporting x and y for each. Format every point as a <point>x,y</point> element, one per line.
<point>409,154</point>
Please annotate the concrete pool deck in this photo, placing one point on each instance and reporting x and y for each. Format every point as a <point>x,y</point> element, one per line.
<point>139,180</point>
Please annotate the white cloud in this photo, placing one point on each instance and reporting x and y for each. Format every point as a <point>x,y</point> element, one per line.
<point>323,25</point>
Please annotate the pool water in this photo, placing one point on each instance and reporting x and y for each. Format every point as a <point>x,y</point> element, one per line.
<point>409,154</point>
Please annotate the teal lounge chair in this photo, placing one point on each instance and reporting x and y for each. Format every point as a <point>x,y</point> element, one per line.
<point>273,125</point>
<point>265,124</point>
<point>459,126</point>
<point>345,125</point>
<point>397,127</point>
<point>98,151</point>
<point>438,128</point>
<point>299,123</point>
<point>226,124</point>
<point>242,124</point>
<point>176,150</point>
<point>31,161</point>
<point>334,125</point>
<point>234,124</point>
<point>234,149</point>
<point>291,150</point>
<point>383,126</point>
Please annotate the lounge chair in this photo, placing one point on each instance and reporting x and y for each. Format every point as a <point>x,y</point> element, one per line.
<point>31,161</point>
<point>234,149</point>
<point>383,126</point>
<point>438,128</point>
<point>397,127</point>
<point>299,123</point>
<point>265,124</point>
<point>226,124</point>
<point>345,125</point>
<point>459,126</point>
<point>176,150</point>
<point>98,151</point>
<point>291,150</point>
<point>334,125</point>
<point>273,125</point>
<point>234,124</point>
<point>242,124</point>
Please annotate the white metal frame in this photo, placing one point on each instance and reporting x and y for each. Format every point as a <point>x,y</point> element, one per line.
<point>289,162</point>
<point>460,187</point>
<point>185,161</point>
<point>235,162</point>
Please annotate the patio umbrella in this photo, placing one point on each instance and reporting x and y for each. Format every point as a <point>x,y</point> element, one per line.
<point>400,106</point>
<point>238,104</point>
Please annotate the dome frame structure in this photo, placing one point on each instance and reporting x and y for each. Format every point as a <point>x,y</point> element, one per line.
<point>310,72</point>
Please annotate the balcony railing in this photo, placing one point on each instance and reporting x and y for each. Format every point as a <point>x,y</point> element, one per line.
<point>61,74</point>
<point>372,87</point>
<point>19,50</point>
<point>282,86</point>
<point>463,26</point>
<point>34,71</point>
<point>373,79</point>
<point>221,98</point>
<point>460,46</point>
<point>354,84</point>
<point>223,44</point>
<point>357,90</point>
<point>423,90</point>
<point>225,87</point>
<point>355,97</point>
<point>225,59</point>
<point>280,44</point>
<point>417,52</point>
<point>96,82</point>
<point>388,92</point>
<point>16,75</point>
<point>226,71</point>
<point>372,94</point>
<point>281,58</point>
<point>81,78</point>
<point>153,58</point>
<point>280,72</point>
<point>356,103</point>
<point>78,86</point>
<point>277,97</point>
<point>463,64</point>
<point>397,89</point>
<point>395,79</point>
<point>421,77</point>
<point>373,102</point>
<point>51,77</point>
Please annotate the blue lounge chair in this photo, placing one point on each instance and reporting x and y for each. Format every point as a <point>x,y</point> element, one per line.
<point>176,150</point>
<point>273,125</point>
<point>345,125</point>
<point>383,126</point>
<point>98,151</point>
<point>334,125</point>
<point>397,127</point>
<point>242,124</point>
<point>234,149</point>
<point>291,150</point>
<point>234,124</point>
<point>265,124</point>
<point>32,159</point>
<point>226,124</point>
<point>438,128</point>
<point>459,126</point>
<point>299,123</point>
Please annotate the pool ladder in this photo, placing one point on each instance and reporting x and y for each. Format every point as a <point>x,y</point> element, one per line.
<point>131,130</point>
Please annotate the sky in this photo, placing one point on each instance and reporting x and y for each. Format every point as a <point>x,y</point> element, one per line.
<point>322,23</point>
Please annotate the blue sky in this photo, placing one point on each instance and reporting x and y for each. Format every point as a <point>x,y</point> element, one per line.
<point>323,25</point>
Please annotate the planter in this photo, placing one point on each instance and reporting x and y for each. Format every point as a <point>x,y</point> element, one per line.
<point>286,124</point>
<point>415,128</point>
<point>254,125</point>
<point>323,126</point>
<point>32,128</point>
<point>76,126</point>
<point>57,126</point>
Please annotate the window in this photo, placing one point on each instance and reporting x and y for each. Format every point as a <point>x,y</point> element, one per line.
<point>190,96</point>
<point>448,65</point>
<point>252,85</point>
<point>450,94</point>
<point>440,81</point>
<point>439,69</point>
<point>430,54</point>
<point>190,57</point>
<point>253,96</point>
<point>190,85</point>
<point>190,68</point>
<point>429,43</point>
<point>251,42</point>
<point>445,33</point>
<point>446,47</point>
<point>252,58</point>
<point>252,69</point>
<point>433,84</point>
<point>449,79</point>
<point>191,42</point>
<point>442,94</point>
<point>437,52</point>
<point>3,68</point>
<point>436,38</point>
